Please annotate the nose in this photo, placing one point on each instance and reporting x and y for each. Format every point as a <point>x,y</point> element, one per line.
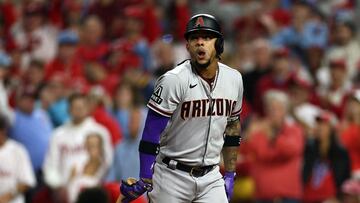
<point>200,40</point>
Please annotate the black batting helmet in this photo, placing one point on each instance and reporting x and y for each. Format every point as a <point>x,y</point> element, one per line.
<point>206,22</point>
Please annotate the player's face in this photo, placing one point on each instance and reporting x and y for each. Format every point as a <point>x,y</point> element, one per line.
<point>201,46</point>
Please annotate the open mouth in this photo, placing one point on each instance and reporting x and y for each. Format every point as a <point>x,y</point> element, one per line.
<point>201,53</point>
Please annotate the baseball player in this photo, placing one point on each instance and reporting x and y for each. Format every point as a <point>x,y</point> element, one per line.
<point>193,117</point>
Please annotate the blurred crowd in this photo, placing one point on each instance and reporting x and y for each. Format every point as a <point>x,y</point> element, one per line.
<point>75,77</point>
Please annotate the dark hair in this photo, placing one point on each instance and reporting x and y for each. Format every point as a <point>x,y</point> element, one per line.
<point>4,123</point>
<point>76,96</point>
<point>349,24</point>
<point>93,195</point>
<point>37,64</point>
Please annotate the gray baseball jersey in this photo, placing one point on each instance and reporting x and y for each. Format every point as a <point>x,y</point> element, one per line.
<point>198,112</point>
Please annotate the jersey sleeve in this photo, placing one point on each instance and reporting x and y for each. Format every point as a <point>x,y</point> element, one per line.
<point>238,105</point>
<point>52,175</point>
<point>24,170</point>
<point>166,96</point>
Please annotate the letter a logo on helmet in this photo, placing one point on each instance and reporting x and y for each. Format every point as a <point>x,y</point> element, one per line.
<point>199,22</point>
<point>203,22</point>
<point>208,23</point>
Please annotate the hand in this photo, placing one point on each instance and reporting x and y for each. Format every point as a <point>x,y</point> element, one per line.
<point>229,183</point>
<point>132,189</point>
<point>5,198</point>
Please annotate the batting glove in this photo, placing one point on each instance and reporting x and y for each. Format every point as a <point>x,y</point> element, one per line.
<point>229,184</point>
<point>132,189</point>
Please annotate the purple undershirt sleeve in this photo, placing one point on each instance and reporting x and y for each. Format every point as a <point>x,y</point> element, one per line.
<point>154,125</point>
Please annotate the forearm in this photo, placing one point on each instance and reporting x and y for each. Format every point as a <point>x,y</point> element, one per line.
<point>149,144</point>
<point>232,142</point>
<point>230,158</point>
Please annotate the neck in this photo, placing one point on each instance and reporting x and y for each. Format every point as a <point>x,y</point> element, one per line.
<point>208,72</point>
<point>2,140</point>
<point>77,121</point>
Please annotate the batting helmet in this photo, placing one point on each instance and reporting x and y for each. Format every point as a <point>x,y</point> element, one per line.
<point>206,22</point>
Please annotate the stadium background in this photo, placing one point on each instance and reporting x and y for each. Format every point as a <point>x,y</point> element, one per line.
<point>113,51</point>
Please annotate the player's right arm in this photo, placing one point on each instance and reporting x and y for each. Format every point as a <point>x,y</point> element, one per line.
<point>148,149</point>
<point>163,102</point>
<point>149,144</point>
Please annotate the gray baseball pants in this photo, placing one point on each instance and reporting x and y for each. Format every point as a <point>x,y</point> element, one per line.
<point>176,186</point>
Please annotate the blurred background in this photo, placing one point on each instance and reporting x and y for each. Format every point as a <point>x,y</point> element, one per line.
<point>95,62</point>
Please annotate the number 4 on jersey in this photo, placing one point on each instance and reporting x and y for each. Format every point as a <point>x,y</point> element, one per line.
<point>156,96</point>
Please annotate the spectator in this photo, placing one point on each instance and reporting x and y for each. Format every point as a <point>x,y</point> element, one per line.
<point>16,173</point>
<point>5,62</point>
<point>163,52</point>
<point>152,20</point>
<point>133,44</point>
<point>66,63</point>
<point>97,75</point>
<point>108,12</point>
<point>177,14</point>
<point>33,35</point>
<point>58,106</point>
<point>67,146</point>
<point>303,100</point>
<point>350,135</point>
<point>8,19</point>
<point>126,98</point>
<point>32,128</point>
<point>87,173</point>
<point>34,75</point>
<point>93,47</point>
<point>326,162</point>
<point>128,149</point>
<point>262,61</point>
<point>276,145</point>
<point>345,46</point>
<point>278,78</point>
<point>307,29</point>
<point>332,96</point>
<point>98,108</point>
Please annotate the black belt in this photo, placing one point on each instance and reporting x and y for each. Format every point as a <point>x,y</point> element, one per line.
<point>196,171</point>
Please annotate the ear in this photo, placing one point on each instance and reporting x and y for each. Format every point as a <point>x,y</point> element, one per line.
<point>187,46</point>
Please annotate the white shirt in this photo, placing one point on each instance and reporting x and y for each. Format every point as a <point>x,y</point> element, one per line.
<point>43,42</point>
<point>67,148</point>
<point>15,168</point>
<point>81,181</point>
<point>4,103</point>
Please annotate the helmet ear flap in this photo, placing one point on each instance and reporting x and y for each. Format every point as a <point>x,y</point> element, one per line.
<point>219,46</point>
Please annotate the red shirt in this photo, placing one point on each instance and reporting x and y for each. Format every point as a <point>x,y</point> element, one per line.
<point>276,165</point>
<point>101,116</point>
<point>182,15</point>
<point>266,83</point>
<point>321,185</point>
<point>350,137</point>
<point>152,28</point>
<point>93,53</point>
<point>72,70</point>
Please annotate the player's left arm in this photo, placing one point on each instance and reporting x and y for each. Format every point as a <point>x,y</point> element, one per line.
<point>230,151</point>
<point>232,142</point>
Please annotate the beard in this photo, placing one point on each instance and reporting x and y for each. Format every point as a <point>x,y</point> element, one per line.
<point>202,66</point>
